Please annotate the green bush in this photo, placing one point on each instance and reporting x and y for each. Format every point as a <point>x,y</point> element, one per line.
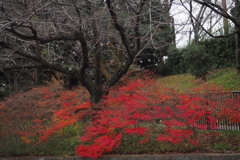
<point>197,60</point>
<point>175,63</point>
<point>221,51</point>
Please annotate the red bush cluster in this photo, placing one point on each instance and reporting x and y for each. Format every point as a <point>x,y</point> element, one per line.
<point>132,107</point>
<point>129,110</point>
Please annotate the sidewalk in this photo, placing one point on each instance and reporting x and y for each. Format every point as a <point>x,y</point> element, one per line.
<point>235,156</point>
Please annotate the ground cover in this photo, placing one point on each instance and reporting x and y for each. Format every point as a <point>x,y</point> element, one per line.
<point>45,121</point>
<point>227,78</point>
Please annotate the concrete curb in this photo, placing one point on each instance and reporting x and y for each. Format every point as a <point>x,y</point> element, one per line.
<point>141,157</point>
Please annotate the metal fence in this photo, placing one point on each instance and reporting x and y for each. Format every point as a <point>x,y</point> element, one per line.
<point>226,102</point>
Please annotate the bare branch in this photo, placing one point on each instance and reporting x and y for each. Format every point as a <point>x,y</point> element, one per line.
<point>219,10</point>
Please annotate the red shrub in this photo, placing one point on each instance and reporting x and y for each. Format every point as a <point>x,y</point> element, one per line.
<point>129,110</point>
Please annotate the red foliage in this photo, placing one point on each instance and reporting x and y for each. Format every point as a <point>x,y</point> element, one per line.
<point>100,145</point>
<point>176,135</point>
<point>129,110</point>
<point>124,112</point>
<point>230,110</point>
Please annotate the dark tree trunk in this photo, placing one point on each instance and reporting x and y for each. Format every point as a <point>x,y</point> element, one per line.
<point>238,51</point>
<point>225,20</point>
<point>96,96</point>
<point>39,76</point>
<point>237,36</point>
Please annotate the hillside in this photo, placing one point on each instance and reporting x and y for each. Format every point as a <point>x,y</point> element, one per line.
<point>226,78</point>
<point>29,112</point>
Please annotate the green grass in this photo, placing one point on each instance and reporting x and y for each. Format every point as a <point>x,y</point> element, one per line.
<point>181,83</point>
<point>224,142</point>
<point>62,143</point>
<point>228,78</point>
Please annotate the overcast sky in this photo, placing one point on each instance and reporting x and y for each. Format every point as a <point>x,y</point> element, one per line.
<point>181,25</point>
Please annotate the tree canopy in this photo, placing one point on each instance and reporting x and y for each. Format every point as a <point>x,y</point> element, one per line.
<point>94,42</point>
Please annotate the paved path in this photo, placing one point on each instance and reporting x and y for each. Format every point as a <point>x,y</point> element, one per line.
<point>142,157</point>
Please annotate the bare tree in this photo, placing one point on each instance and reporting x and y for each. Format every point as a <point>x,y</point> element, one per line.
<point>94,41</point>
<point>199,16</point>
<point>234,17</point>
<point>225,20</point>
<point>197,21</point>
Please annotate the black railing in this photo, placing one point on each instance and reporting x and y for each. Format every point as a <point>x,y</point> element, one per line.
<point>226,102</point>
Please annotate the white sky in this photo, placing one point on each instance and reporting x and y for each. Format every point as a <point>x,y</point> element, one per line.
<point>180,20</point>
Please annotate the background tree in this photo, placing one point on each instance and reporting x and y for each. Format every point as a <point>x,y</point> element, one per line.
<point>225,20</point>
<point>194,57</point>
<point>162,32</point>
<point>197,60</point>
<point>95,42</point>
<point>197,20</point>
<point>175,63</point>
<point>234,17</point>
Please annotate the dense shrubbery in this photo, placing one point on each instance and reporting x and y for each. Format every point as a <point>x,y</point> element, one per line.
<point>221,52</point>
<point>198,60</point>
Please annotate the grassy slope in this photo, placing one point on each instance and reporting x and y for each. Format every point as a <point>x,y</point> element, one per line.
<point>227,78</point>
<point>14,146</point>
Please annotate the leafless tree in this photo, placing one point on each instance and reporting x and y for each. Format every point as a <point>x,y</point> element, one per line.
<point>94,41</point>
<point>225,20</point>
<point>233,16</point>
<point>199,16</point>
